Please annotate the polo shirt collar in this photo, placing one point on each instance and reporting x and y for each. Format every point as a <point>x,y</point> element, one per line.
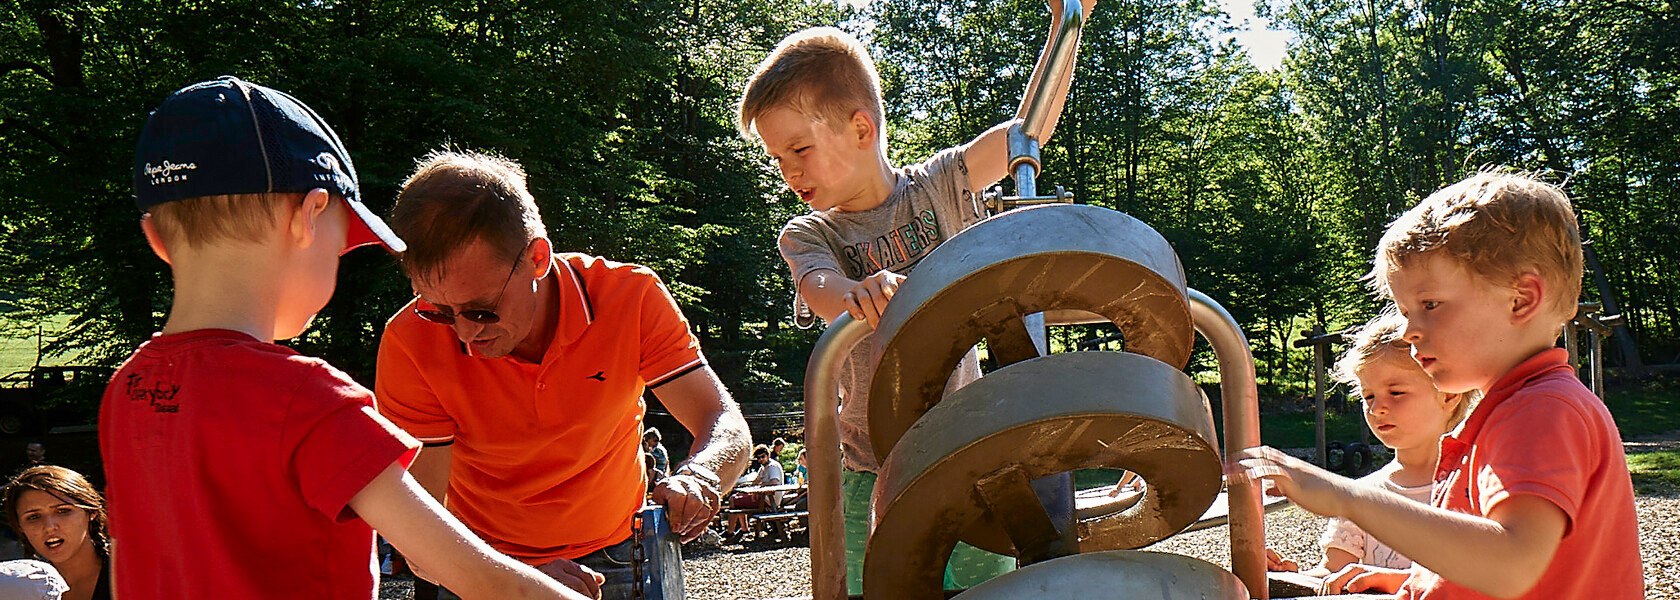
<point>1456,444</point>
<point>577,311</point>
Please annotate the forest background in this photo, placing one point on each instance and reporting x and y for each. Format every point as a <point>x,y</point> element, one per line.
<point>1272,183</point>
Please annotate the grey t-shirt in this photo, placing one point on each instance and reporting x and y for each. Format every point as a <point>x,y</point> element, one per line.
<point>930,203</point>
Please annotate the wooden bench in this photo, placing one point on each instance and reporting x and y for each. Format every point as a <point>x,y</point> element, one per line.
<point>778,524</point>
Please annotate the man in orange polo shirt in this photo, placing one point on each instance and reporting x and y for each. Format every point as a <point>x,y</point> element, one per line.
<point>522,371</point>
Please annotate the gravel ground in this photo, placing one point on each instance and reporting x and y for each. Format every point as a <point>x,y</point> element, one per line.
<point>759,569</point>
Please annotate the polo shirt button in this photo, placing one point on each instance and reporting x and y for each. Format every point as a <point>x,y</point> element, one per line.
<point>542,386</point>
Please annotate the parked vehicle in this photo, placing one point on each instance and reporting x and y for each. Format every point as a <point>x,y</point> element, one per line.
<point>35,400</point>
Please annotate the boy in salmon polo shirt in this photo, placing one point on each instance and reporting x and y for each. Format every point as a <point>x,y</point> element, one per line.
<point>237,467</point>
<point>1532,497</point>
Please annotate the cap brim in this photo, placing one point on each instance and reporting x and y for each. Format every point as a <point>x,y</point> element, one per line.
<point>368,229</point>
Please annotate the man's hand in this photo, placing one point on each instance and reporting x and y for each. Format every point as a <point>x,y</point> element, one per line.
<point>689,503</point>
<point>1359,579</point>
<point>1316,490</point>
<point>1276,562</point>
<point>868,299</point>
<point>578,577</point>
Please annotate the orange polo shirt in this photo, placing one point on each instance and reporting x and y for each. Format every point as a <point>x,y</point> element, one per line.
<point>1539,432</point>
<point>546,457</point>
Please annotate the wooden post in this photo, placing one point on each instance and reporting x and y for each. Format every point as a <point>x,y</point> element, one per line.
<point>1320,350</point>
<point>1320,343</point>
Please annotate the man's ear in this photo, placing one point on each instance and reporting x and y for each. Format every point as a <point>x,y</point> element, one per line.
<point>541,255</point>
<point>303,221</point>
<point>1528,297</point>
<point>154,239</point>
<point>863,129</point>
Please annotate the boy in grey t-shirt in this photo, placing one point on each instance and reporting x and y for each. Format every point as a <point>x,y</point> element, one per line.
<point>929,203</point>
<point>815,104</point>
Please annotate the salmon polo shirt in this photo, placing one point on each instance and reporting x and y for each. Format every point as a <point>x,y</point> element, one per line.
<point>547,459</point>
<point>1539,432</point>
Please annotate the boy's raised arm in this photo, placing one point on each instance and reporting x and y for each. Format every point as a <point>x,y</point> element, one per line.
<point>987,156</point>
<point>432,539</point>
<point>1502,555</point>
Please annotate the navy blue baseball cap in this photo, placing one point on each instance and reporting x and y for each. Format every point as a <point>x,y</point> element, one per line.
<point>230,136</point>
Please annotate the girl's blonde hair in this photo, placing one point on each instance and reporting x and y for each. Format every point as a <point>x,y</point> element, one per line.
<point>1381,339</point>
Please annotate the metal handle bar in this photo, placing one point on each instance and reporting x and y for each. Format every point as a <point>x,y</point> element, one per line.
<point>1061,52</point>
<point>1241,399</point>
<point>822,441</point>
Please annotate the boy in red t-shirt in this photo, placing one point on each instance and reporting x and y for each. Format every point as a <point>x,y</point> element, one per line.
<point>238,468</point>
<point>1532,497</point>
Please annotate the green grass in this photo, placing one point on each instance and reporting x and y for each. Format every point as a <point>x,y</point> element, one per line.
<point>1646,407</point>
<point>1655,473</point>
<point>1297,430</point>
<point>1641,408</point>
<point>18,353</point>
<point>1085,479</point>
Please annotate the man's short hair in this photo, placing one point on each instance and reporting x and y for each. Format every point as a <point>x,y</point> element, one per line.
<point>761,449</point>
<point>1497,224</point>
<point>653,432</point>
<point>455,197</point>
<point>823,73</point>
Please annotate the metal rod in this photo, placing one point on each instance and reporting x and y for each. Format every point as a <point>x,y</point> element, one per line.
<point>1062,51</point>
<point>1026,183</point>
<point>1595,358</point>
<point>1572,342</point>
<point>1241,400</point>
<point>822,443</point>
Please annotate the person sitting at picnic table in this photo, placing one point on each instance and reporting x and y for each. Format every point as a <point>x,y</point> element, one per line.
<point>651,444</point>
<point>769,474</point>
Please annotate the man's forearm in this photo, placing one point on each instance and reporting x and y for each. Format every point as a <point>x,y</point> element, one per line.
<point>723,448</point>
<point>700,402</point>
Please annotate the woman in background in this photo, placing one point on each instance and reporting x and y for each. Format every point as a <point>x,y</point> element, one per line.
<point>60,518</point>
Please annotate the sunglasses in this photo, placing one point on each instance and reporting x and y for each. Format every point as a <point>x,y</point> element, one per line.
<point>446,316</point>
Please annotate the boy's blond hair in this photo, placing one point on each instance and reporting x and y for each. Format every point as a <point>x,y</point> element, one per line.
<point>1381,339</point>
<point>823,73</point>
<point>1497,224</point>
<point>456,197</point>
<point>195,222</point>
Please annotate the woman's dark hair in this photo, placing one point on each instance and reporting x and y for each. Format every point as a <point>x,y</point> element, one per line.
<point>67,486</point>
